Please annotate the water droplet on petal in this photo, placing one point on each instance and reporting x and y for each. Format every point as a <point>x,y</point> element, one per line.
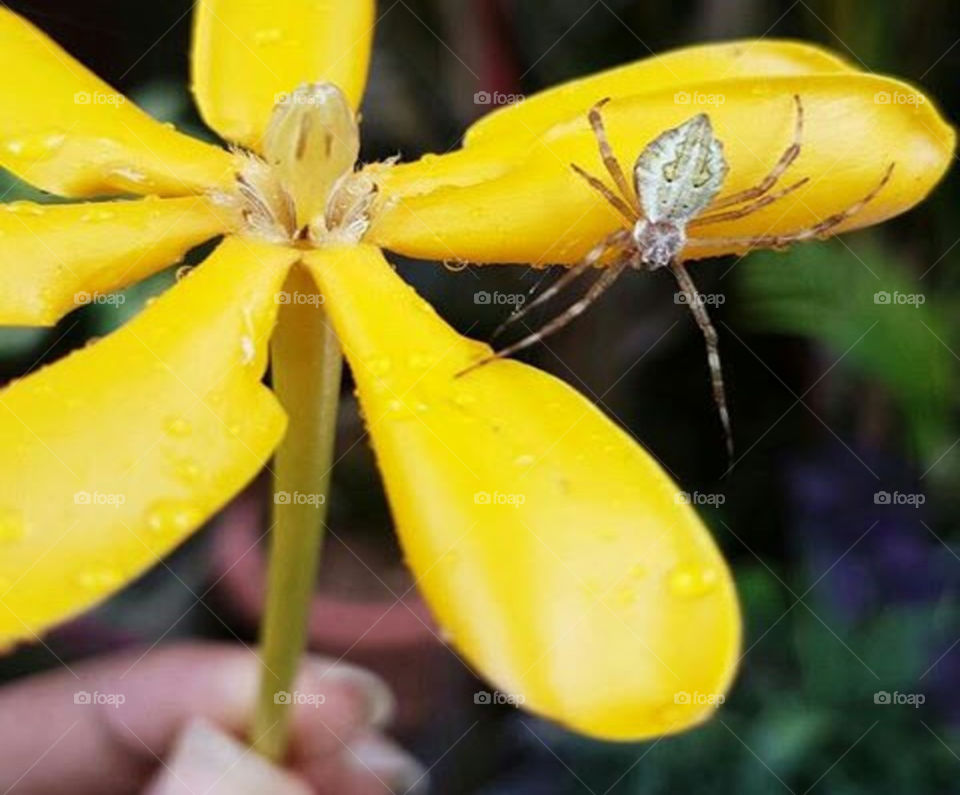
<point>187,470</point>
<point>98,579</point>
<point>178,426</point>
<point>12,526</point>
<point>524,460</point>
<point>379,366</point>
<point>172,517</point>
<point>267,36</point>
<point>419,361</point>
<point>97,214</point>
<point>688,581</point>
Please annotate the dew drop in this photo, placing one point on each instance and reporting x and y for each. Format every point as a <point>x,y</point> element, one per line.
<point>172,516</point>
<point>12,526</point>
<point>625,596</point>
<point>187,470</point>
<point>267,36</point>
<point>24,208</point>
<point>97,214</point>
<point>98,579</point>
<point>524,460</point>
<point>178,426</point>
<point>379,366</point>
<point>689,581</point>
<point>464,399</point>
<point>607,534</point>
<point>419,361</point>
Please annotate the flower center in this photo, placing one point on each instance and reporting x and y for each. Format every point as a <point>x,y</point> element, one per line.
<point>303,189</point>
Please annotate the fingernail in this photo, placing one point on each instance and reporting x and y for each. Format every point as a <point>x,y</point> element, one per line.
<point>391,764</point>
<point>378,699</point>
<point>205,759</point>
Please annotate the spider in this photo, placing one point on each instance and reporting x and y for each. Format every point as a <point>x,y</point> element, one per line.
<point>675,183</point>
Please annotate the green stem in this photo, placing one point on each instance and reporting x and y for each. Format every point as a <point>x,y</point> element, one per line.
<point>306,366</point>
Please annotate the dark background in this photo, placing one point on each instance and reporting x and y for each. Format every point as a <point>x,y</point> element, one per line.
<point>834,399</point>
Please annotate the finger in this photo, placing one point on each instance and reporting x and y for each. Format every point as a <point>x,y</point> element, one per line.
<point>206,760</point>
<point>370,765</point>
<point>105,724</point>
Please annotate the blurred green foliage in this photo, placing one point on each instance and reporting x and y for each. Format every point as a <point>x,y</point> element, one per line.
<point>865,305</point>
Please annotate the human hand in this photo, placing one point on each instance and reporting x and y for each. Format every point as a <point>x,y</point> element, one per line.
<point>168,719</point>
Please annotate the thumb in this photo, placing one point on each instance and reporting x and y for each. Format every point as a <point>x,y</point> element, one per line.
<point>206,760</point>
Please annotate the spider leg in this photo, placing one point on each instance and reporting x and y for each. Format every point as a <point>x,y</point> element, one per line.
<point>622,207</point>
<point>608,243</point>
<point>607,155</point>
<point>747,209</point>
<point>598,288</point>
<point>779,241</point>
<point>713,348</point>
<point>785,161</point>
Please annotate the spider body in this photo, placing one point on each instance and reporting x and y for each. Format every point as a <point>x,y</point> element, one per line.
<point>676,181</point>
<point>658,243</point>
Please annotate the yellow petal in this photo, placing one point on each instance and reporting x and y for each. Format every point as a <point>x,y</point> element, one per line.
<point>66,131</point>
<point>54,258</point>
<point>513,127</point>
<point>508,126</point>
<point>248,55</point>
<point>539,211</point>
<point>115,454</point>
<point>550,546</point>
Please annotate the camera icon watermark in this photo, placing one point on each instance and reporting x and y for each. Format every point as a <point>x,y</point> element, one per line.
<point>98,498</point>
<point>898,98</point>
<point>684,697</point>
<point>896,298</point>
<point>96,698</point>
<point>498,698</point>
<point>896,698</point>
<point>299,498</point>
<point>499,498</point>
<point>297,298</point>
<point>701,299</point>
<point>698,98</point>
<point>699,498</point>
<point>496,98</point>
<point>297,697</point>
<point>108,299</point>
<point>915,500</point>
<point>98,98</point>
<point>496,298</point>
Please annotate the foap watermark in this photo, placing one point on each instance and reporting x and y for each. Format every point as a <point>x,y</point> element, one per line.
<point>109,299</point>
<point>896,298</point>
<point>486,698</point>
<point>898,98</point>
<point>296,697</point>
<point>699,498</point>
<point>703,299</point>
<point>698,98</point>
<point>98,98</point>
<point>899,498</point>
<point>299,98</point>
<point>497,298</point>
<point>98,498</point>
<point>499,498</point>
<point>696,697</point>
<point>96,698</point>
<point>896,698</point>
<point>298,498</point>
<point>496,98</point>
<point>299,299</point>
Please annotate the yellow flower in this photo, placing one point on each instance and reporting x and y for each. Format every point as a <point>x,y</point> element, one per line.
<point>555,551</point>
